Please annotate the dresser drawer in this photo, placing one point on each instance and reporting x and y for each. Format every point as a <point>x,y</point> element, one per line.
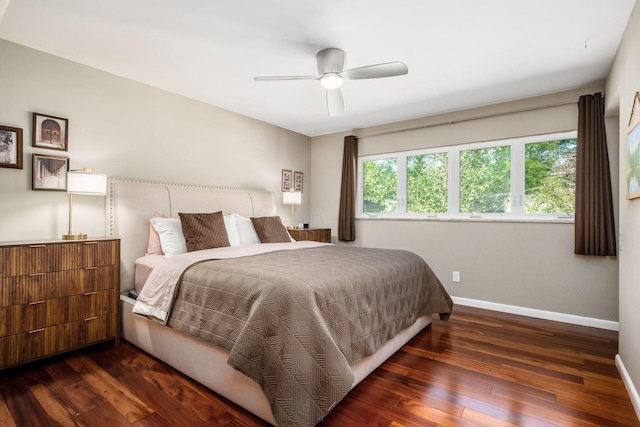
<point>99,253</point>
<point>15,349</point>
<point>44,258</point>
<point>99,278</point>
<point>38,343</point>
<point>39,286</point>
<point>41,314</point>
<point>7,291</point>
<point>98,303</point>
<point>98,328</point>
<point>8,261</point>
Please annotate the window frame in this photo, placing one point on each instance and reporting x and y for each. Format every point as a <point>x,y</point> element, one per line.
<point>517,196</point>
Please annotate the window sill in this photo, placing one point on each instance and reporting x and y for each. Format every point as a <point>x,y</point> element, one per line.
<point>474,219</point>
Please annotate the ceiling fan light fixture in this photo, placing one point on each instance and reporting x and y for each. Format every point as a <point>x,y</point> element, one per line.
<point>331,74</point>
<point>331,81</point>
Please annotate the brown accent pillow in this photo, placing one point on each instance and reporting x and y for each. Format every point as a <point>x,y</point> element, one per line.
<point>204,230</point>
<point>270,229</point>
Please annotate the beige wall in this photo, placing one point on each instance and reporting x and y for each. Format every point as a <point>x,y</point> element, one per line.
<point>127,129</point>
<point>530,265</point>
<point>624,80</point>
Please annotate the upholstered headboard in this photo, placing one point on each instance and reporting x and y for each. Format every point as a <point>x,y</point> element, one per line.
<point>131,203</point>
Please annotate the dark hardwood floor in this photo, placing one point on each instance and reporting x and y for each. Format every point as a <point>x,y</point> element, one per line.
<point>482,368</point>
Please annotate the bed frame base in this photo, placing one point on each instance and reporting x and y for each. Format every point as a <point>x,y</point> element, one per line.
<point>208,365</point>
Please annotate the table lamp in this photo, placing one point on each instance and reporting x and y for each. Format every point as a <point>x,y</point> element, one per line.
<point>292,198</point>
<point>83,182</point>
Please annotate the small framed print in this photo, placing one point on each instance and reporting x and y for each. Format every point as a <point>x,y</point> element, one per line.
<point>50,132</point>
<point>10,147</point>
<point>297,181</point>
<point>50,172</point>
<point>287,179</point>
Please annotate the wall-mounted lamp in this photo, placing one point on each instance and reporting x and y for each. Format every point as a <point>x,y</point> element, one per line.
<point>83,182</point>
<point>292,198</point>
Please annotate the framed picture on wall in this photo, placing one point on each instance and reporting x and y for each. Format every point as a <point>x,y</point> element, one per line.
<point>10,147</point>
<point>50,132</point>
<point>633,153</point>
<point>287,179</point>
<point>50,172</point>
<point>297,181</point>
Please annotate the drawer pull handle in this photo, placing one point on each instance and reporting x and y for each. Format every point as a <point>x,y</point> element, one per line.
<point>90,243</point>
<point>90,293</point>
<point>91,268</point>
<point>91,318</point>
<point>36,331</point>
<point>37,246</point>
<point>36,274</point>
<point>36,302</point>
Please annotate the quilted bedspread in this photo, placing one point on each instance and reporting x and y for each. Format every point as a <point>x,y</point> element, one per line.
<point>294,321</point>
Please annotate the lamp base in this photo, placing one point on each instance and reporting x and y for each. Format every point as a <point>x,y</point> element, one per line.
<point>80,236</point>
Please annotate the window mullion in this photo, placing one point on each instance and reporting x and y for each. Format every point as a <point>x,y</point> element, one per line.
<point>402,185</point>
<point>454,182</point>
<point>517,179</point>
<point>360,189</point>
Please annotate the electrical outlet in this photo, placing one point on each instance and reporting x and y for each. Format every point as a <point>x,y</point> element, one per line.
<point>456,276</point>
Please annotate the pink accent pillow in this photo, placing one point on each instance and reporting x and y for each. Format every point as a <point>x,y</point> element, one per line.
<point>153,246</point>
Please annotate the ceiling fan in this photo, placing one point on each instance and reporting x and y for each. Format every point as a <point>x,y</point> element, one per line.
<point>331,74</point>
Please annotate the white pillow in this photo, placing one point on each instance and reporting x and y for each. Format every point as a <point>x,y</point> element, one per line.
<point>232,230</point>
<point>171,238</point>
<point>246,232</point>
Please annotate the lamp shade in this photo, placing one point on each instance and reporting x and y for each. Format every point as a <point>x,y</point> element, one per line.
<point>86,183</point>
<point>292,198</point>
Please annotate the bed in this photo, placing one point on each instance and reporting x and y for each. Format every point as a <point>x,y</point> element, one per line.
<point>311,374</point>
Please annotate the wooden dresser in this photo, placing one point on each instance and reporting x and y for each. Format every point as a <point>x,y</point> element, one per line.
<point>57,296</point>
<point>316,234</point>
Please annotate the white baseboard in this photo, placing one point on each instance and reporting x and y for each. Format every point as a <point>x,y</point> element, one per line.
<point>540,314</point>
<point>628,383</point>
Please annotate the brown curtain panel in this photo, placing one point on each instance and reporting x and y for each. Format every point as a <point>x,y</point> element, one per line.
<point>347,214</point>
<point>594,225</point>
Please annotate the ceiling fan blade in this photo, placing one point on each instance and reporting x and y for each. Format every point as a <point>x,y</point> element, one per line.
<point>335,102</point>
<point>275,78</point>
<point>330,60</point>
<point>388,69</point>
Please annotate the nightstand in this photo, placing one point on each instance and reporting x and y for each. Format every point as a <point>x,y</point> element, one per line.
<point>315,234</point>
<point>57,296</point>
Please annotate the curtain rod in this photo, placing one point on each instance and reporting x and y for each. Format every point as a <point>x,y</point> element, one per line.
<point>468,119</point>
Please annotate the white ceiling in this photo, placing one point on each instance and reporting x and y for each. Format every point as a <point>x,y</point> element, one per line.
<point>460,53</point>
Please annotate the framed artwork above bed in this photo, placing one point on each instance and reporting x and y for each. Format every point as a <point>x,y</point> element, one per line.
<point>287,180</point>
<point>297,181</point>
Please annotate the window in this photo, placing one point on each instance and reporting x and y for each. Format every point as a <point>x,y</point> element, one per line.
<point>427,183</point>
<point>380,186</point>
<point>531,177</point>
<point>485,180</point>
<point>550,176</point>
